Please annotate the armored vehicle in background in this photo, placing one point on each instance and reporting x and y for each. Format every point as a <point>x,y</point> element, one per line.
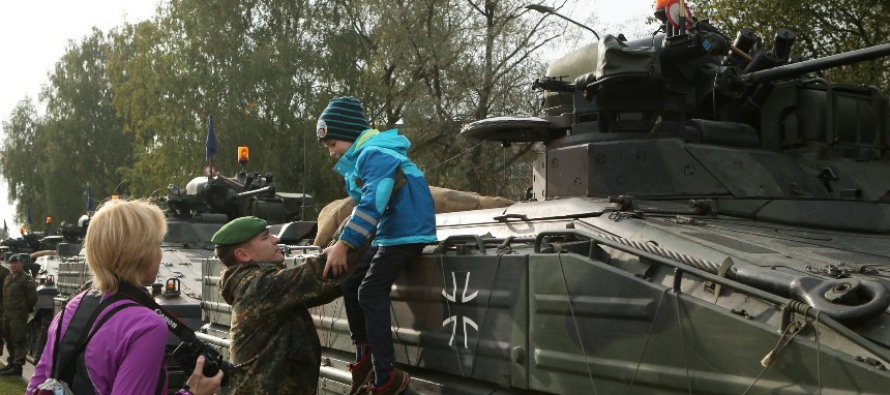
<point>29,242</point>
<point>45,262</point>
<point>194,214</point>
<point>709,219</point>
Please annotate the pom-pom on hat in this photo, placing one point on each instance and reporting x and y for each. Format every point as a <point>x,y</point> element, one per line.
<point>343,119</point>
<point>238,231</point>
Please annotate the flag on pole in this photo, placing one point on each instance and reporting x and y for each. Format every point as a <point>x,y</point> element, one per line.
<point>212,144</point>
<point>90,202</point>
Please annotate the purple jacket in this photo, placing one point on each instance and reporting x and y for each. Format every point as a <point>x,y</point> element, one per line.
<point>125,356</point>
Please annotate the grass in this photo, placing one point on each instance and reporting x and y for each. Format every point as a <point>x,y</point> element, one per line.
<point>12,385</point>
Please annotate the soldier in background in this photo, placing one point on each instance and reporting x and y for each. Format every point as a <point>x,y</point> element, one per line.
<point>4,273</point>
<point>19,298</point>
<point>275,347</point>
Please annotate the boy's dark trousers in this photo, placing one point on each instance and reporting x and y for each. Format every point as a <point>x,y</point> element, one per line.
<point>366,298</point>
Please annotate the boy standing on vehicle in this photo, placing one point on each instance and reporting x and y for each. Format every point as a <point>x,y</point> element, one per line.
<point>396,209</point>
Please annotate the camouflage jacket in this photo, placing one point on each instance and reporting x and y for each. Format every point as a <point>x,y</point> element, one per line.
<point>4,273</point>
<point>19,294</point>
<point>275,346</point>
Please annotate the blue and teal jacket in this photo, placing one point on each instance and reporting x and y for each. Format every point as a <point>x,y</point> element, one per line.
<point>371,170</point>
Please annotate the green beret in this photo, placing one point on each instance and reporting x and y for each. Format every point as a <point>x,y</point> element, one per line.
<point>15,258</point>
<point>238,231</point>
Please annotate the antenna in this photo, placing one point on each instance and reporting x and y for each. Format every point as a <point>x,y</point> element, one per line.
<point>550,10</point>
<point>303,182</point>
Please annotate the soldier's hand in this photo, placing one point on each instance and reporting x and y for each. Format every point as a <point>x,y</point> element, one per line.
<point>200,384</point>
<point>336,259</point>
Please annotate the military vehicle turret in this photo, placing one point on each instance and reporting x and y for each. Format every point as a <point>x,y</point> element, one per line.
<point>709,218</point>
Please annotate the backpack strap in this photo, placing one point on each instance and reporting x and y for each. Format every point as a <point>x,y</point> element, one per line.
<point>77,376</point>
<point>161,379</point>
<point>56,343</point>
<point>79,331</point>
<point>65,345</point>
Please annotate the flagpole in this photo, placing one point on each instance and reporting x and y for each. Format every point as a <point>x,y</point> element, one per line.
<point>210,147</point>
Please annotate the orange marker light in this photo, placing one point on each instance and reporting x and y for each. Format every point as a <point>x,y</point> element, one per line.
<point>664,3</point>
<point>243,154</point>
<point>49,220</point>
<point>172,288</point>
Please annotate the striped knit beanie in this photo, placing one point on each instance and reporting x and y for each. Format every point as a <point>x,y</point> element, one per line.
<point>343,119</point>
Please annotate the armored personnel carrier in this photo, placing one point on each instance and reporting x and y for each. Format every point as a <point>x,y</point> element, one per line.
<point>710,218</point>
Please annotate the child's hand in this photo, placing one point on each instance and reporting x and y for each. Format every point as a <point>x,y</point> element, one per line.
<point>336,259</point>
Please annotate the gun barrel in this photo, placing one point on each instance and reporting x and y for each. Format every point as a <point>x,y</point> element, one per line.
<point>259,191</point>
<point>800,68</point>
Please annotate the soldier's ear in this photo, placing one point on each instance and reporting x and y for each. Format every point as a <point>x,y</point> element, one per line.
<point>242,255</point>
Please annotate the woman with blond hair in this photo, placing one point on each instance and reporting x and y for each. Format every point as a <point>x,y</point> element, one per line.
<point>103,342</point>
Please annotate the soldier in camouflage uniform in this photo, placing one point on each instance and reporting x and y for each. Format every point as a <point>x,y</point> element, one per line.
<point>4,273</point>
<point>275,347</point>
<point>19,298</point>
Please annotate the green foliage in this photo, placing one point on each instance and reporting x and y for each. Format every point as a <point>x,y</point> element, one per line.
<point>433,65</point>
<point>129,107</point>
<point>20,157</point>
<point>83,139</point>
<point>822,29</point>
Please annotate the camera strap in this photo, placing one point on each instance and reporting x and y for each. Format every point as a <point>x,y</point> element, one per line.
<point>213,362</point>
<point>179,328</point>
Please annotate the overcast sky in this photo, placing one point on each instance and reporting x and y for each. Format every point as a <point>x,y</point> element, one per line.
<point>37,32</point>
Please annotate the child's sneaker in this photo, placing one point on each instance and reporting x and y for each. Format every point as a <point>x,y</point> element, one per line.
<point>398,383</point>
<point>361,375</point>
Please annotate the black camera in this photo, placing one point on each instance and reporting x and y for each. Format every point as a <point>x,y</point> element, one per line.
<point>187,355</point>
